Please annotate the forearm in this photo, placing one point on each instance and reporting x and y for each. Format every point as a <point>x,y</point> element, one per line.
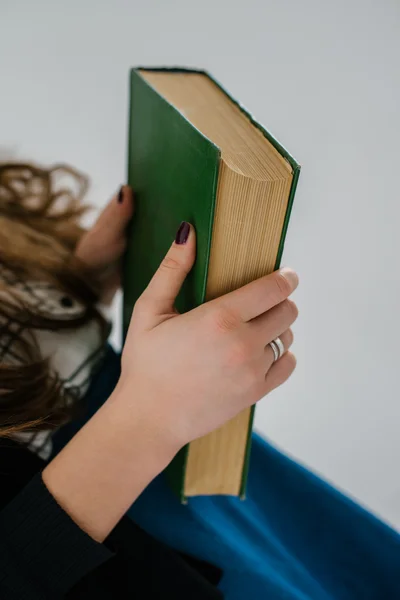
<point>106,466</point>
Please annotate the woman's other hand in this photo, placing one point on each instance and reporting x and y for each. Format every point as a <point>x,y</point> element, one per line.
<point>101,248</point>
<point>192,372</point>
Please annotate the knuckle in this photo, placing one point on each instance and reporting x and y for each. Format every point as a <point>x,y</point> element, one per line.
<point>225,320</point>
<point>290,310</point>
<point>293,310</point>
<point>170,263</point>
<point>283,285</point>
<point>291,363</point>
<point>290,337</point>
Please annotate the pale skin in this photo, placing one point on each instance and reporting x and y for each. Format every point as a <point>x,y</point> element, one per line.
<point>182,375</point>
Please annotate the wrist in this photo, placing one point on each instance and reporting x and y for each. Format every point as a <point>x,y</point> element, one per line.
<point>107,465</point>
<point>132,414</point>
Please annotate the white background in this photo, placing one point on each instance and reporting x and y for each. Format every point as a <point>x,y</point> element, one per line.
<point>324,78</point>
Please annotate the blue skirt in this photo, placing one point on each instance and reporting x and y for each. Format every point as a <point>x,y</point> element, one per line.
<point>294,537</point>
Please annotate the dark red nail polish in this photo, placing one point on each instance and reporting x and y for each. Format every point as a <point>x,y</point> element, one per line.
<point>183,233</point>
<point>120,195</point>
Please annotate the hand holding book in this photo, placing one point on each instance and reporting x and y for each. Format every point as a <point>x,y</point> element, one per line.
<point>192,372</point>
<point>182,376</point>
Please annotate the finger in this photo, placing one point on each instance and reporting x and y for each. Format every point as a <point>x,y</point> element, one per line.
<point>279,372</point>
<point>159,296</point>
<point>287,340</point>
<point>261,295</point>
<point>117,214</point>
<point>268,326</point>
<point>105,242</point>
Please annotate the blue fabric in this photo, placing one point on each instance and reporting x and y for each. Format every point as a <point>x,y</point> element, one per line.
<point>294,537</point>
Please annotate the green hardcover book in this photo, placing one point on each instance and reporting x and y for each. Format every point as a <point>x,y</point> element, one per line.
<point>196,155</point>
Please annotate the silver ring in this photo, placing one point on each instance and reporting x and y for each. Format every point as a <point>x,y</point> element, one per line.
<point>277,348</point>
<point>280,345</point>
<point>274,350</point>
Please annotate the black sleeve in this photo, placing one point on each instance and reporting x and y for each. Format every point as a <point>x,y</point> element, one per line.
<point>43,553</point>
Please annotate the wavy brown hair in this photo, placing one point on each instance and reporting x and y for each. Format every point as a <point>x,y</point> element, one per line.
<point>40,214</point>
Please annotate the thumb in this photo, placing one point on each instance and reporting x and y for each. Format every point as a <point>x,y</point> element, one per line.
<point>159,296</point>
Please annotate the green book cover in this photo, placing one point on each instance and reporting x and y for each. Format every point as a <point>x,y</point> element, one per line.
<point>174,170</point>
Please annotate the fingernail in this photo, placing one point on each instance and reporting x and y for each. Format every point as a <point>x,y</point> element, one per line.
<point>120,197</point>
<point>183,233</point>
<point>290,275</point>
